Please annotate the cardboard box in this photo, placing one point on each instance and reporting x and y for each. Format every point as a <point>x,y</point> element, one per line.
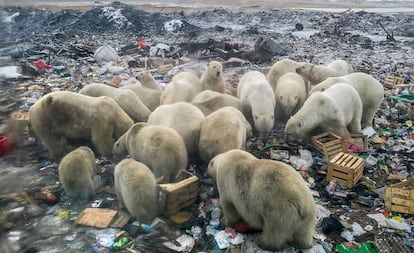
<point>399,197</point>
<point>175,196</point>
<point>345,169</point>
<point>328,144</point>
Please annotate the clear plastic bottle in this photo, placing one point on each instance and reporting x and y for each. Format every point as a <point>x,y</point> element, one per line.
<point>215,217</point>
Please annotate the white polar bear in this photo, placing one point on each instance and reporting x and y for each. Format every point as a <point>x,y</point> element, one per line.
<point>209,101</point>
<point>317,73</point>
<point>224,129</point>
<point>290,94</point>
<point>136,189</point>
<point>127,100</point>
<point>184,118</point>
<point>160,148</point>
<point>183,87</point>
<point>258,101</point>
<point>266,194</point>
<point>338,109</point>
<point>369,89</point>
<point>150,97</point>
<point>212,78</point>
<point>280,68</point>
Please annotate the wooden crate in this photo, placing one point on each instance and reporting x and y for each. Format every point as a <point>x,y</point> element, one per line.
<point>391,81</point>
<point>175,196</point>
<point>399,197</point>
<point>328,144</point>
<point>346,169</point>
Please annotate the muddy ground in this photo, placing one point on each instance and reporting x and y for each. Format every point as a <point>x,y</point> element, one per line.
<point>68,38</point>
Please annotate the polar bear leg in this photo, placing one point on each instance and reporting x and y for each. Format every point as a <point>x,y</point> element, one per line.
<point>367,118</point>
<point>57,146</point>
<point>355,126</point>
<point>230,214</point>
<point>274,236</point>
<point>102,139</point>
<point>303,238</point>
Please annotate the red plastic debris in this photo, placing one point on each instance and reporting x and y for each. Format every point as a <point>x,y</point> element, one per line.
<point>142,44</point>
<point>42,65</point>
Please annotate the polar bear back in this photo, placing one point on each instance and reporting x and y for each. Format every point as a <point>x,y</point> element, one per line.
<point>223,130</point>
<point>150,97</point>
<point>183,87</point>
<point>184,118</point>
<point>209,101</point>
<point>280,68</point>
<point>160,148</point>
<point>136,189</point>
<point>127,99</point>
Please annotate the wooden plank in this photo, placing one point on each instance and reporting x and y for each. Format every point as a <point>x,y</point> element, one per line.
<point>96,217</point>
<point>402,202</point>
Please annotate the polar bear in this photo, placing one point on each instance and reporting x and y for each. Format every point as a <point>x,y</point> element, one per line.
<point>258,101</point>
<point>136,189</point>
<point>184,118</point>
<point>127,100</point>
<point>212,78</point>
<point>184,86</point>
<point>223,130</point>
<point>290,94</point>
<point>160,148</point>
<point>338,109</point>
<point>266,194</point>
<point>209,101</point>
<point>150,98</point>
<point>76,172</point>
<point>317,73</point>
<point>63,119</point>
<point>369,89</point>
<point>147,80</point>
<point>280,68</point>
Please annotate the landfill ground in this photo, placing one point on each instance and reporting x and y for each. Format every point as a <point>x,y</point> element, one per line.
<point>35,214</point>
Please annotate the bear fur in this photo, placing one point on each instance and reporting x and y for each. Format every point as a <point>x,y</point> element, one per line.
<point>147,80</point>
<point>160,148</point>
<point>280,68</point>
<point>318,73</point>
<point>126,99</point>
<point>184,118</point>
<point>290,94</point>
<point>369,89</point>
<point>223,130</point>
<point>76,172</point>
<point>209,101</point>
<point>212,78</point>
<point>150,98</point>
<point>136,189</point>
<point>258,101</point>
<point>338,109</point>
<point>63,119</point>
<point>266,194</point>
<point>183,87</point>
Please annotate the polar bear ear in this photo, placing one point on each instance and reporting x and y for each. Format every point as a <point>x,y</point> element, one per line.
<point>323,89</point>
<point>296,97</point>
<point>300,124</point>
<point>281,97</point>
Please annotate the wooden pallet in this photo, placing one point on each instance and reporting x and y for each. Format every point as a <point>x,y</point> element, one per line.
<point>399,197</point>
<point>391,81</point>
<point>345,169</point>
<point>328,144</point>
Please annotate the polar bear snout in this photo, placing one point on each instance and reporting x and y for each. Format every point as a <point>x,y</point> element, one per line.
<point>299,69</point>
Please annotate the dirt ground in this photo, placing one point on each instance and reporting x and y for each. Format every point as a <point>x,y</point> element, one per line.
<point>68,38</point>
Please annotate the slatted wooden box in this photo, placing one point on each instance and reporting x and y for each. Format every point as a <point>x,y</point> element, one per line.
<point>175,196</point>
<point>345,169</point>
<point>399,197</point>
<point>328,144</point>
<point>391,81</point>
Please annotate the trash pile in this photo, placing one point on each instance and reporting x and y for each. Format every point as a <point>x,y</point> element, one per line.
<point>364,192</point>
